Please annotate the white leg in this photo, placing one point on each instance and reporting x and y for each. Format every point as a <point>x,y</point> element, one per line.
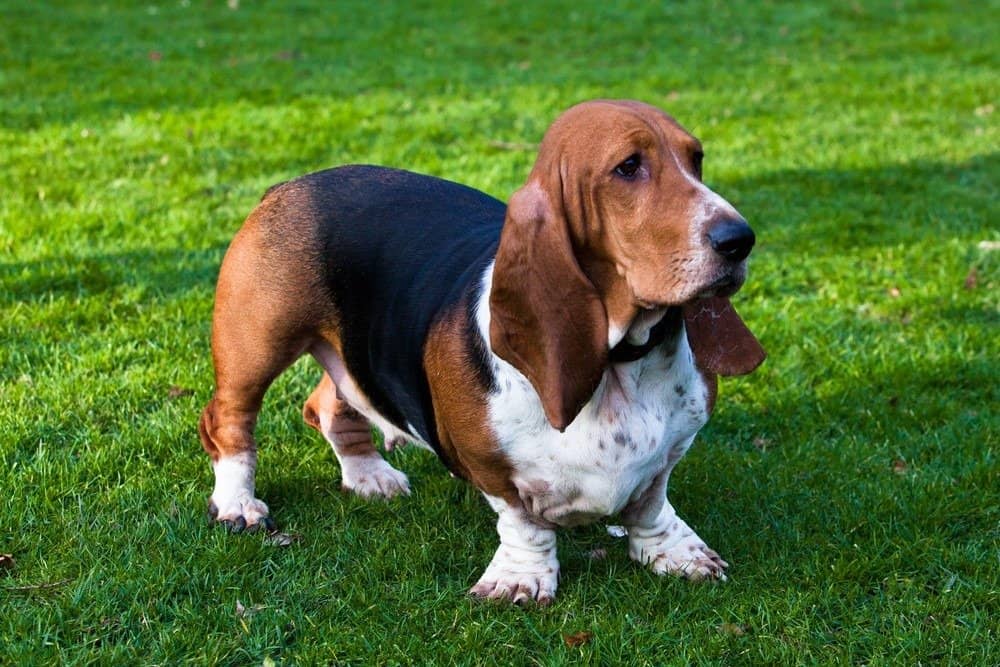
<point>370,476</point>
<point>232,502</point>
<point>362,468</point>
<point>669,546</point>
<point>524,568</point>
<point>657,537</point>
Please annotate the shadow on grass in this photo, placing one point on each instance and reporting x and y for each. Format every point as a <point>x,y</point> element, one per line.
<point>160,273</point>
<point>834,211</point>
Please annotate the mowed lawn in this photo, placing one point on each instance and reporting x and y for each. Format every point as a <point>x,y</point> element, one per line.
<point>853,481</point>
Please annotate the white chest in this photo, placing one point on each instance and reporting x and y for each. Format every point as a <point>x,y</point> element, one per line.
<point>640,420</point>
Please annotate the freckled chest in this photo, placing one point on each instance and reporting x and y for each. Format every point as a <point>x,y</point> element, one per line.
<point>641,419</point>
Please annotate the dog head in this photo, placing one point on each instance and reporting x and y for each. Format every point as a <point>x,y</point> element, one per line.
<point>614,221</point>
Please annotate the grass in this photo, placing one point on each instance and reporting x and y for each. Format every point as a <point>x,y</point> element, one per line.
<point>854,481</point>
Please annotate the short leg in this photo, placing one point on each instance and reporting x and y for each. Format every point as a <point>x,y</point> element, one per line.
<point>252,343</point>
<point>226,430</point>
<point>364,471</point>
<point>524,568</point>
<point>657,537</point>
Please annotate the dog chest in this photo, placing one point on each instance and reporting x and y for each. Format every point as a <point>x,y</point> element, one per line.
<point>642,417</point>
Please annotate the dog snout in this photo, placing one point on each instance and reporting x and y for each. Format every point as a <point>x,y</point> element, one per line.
<point>732,238</point>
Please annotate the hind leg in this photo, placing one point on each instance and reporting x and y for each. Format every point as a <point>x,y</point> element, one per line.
<point>253,341</point>
<point>226,430</point>
<point>233,503</point>
<point>363,470</point>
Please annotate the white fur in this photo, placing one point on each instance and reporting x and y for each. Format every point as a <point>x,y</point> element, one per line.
<point>669,546</point>
<point>367,475</point>
<point>622,445</point>
<point>638,333</point>
<point>233,496</point>
<point>371,476</point>
<point>524,568</point>
<point>705,207</point>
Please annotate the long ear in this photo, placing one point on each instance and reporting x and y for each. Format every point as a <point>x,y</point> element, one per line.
<point>546,318</point>
<point>719,339</point>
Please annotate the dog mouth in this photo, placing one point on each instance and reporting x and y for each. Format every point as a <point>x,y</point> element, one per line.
<point>725,282</point>
<point>724,286</point>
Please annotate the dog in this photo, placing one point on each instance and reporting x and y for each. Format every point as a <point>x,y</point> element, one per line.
<point>559,352</point>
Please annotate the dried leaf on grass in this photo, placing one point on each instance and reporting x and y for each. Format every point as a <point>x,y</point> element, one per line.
<point>972,279</point>
<point>37,587</point>
<point>578,638</point>
<point>6,564</point>
<point>732,629</point>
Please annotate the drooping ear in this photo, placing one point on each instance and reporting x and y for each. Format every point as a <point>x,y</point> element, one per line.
<point>721,342</point>
<point>546,317</point>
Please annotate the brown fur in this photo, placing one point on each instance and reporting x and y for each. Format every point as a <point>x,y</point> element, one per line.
<point>461,411</point>
<point>352,432</point>
<point>259,327</point>
<point>547,317</point>
<point>719,339</point>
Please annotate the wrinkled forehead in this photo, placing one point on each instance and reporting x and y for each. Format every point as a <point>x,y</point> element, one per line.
<point>615,125</point>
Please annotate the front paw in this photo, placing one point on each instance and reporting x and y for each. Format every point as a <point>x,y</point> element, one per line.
<point>372,477</point>
<point>689,558</point>
<point>520,577</point>
<point>240,513</point>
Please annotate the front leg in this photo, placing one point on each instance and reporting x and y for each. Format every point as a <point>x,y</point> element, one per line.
<point>669,546</point>
<point>657,537</point>
<point>524,568</point>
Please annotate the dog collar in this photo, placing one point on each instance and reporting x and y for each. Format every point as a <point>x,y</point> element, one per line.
<point>625,352</point>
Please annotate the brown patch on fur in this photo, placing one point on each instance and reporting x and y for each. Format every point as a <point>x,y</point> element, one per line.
<point>350,431</point>
<point>547,319</point>
<point>721,343</point>
<point>259,327</point>
<point>712,382</point>
<point>461,411</point>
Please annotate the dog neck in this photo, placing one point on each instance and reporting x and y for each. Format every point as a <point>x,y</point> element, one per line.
<point>654,327</point>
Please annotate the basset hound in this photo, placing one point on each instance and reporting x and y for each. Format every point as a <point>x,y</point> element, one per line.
<point>560,352</point>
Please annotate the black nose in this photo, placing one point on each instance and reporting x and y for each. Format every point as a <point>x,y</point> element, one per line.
<point>732,238</point>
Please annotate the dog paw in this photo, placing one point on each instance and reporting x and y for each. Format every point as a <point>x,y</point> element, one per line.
<point>691,559</point>
<point>239,514</point>
<point>372,477</point>
<point>519,578</point>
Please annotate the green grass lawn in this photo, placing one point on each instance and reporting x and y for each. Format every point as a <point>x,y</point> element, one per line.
<point>853,481</point>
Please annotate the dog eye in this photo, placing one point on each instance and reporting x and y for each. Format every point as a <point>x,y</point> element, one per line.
<point>697,159</point>
<point>629,166</point>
